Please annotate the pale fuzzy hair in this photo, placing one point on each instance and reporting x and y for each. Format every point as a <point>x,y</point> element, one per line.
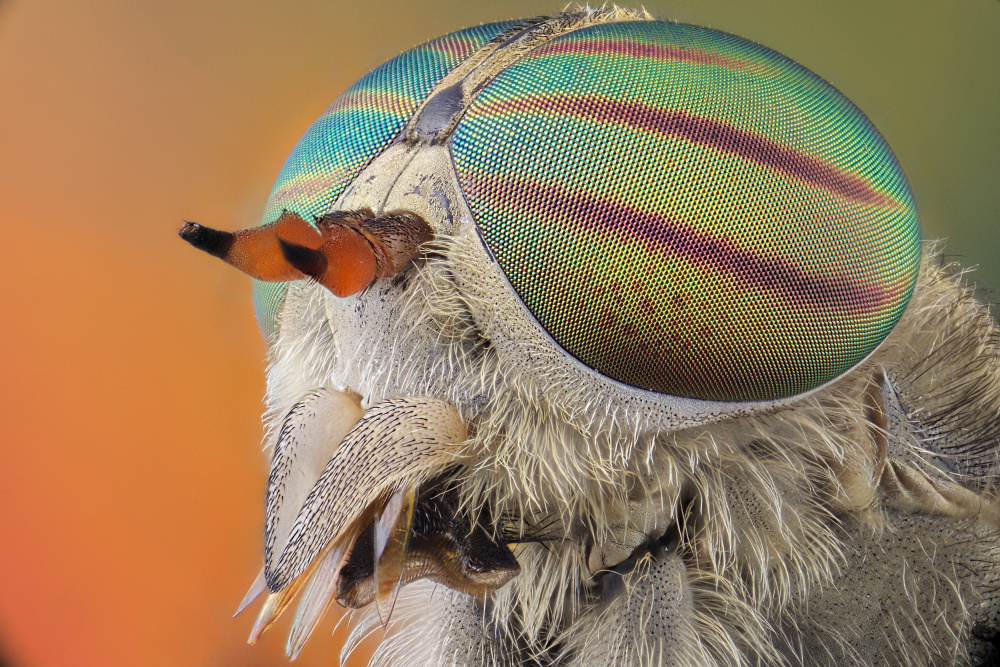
<point>881,484</point>
<point>764,502</point>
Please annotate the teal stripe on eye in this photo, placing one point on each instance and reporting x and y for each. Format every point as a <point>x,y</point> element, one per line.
<point>354,130</point>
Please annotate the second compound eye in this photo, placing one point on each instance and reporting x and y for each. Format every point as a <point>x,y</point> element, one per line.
<point>688,212</point>
<point>358,126</point>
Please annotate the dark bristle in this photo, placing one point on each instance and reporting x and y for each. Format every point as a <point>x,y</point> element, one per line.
<point>308,261</point>
<point>214,242</point>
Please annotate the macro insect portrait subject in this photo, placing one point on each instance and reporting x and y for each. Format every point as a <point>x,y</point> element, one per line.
<point>603,340</point>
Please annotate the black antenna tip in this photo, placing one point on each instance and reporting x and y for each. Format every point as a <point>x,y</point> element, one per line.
<point>214,242</point>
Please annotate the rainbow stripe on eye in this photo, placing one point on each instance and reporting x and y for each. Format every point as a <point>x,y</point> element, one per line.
<point>353,131</point>
<point>689,212</point>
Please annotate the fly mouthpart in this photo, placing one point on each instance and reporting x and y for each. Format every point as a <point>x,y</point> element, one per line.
<point>361,503</point>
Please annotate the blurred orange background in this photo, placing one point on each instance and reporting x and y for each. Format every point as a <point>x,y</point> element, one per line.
<point>131,371</point>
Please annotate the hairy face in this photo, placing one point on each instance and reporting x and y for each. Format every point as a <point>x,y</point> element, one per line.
<point>598,340</point>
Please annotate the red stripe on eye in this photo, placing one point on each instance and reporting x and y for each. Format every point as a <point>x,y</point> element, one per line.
<point>659,234</point>
<point>699,130</point>
<point>601,48</point>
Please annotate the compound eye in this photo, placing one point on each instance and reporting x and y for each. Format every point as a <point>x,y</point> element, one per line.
<point>688,212</point>
<point>352,132</point>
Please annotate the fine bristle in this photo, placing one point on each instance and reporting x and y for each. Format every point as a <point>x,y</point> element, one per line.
<point>307,260</point>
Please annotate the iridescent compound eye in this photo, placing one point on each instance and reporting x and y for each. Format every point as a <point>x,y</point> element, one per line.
<point>355,129</point>
<point>681,210</point>
<point>689,212</point>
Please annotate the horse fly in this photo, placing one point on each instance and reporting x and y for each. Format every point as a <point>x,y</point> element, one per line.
<point>601,340</point>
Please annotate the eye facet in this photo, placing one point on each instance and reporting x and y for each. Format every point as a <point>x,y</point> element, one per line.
<point>688,212</point>
<point>353,130</point>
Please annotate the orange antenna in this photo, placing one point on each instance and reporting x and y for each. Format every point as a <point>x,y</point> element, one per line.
<point>346,251</point>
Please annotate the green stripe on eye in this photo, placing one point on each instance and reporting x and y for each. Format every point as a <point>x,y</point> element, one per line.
<point>689,212</point>
<point>353,131</point>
